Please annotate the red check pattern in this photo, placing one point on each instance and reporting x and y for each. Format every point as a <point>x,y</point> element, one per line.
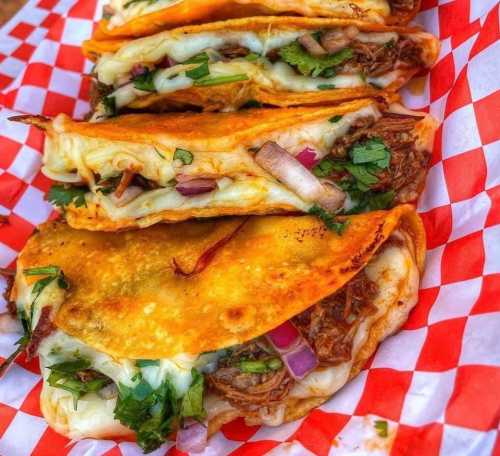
<point>437,382</point>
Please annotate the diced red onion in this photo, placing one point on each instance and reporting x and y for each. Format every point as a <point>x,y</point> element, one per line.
<point>307,157</point>
<point>192,438</point>
<point>284,336</point>
<point>196,186</point>
<point>301,360</point>
<point>138,69</point>
<point>286,168</point>
<point>128,195</point>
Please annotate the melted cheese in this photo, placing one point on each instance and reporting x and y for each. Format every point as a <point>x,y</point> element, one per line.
<point>111,69</point>
<point>244,183</point>
<point>395,272</point>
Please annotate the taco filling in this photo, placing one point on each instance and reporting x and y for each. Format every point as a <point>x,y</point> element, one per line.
<point>90,393</point>
<point>295,61</point>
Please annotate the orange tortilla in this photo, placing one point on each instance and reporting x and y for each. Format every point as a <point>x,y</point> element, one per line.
<point>238,93</point>
<point>129,299</point>
<point>199,11</point>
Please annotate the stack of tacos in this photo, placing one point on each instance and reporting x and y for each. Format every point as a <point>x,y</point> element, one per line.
<point>238,230</point>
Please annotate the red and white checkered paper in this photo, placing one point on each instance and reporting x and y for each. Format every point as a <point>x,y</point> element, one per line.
<point>437,382</point>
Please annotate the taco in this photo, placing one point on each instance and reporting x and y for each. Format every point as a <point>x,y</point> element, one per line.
<point>185,327</point>
<point>138,170</point>
<point>136,18</point>
<point>278,61</point>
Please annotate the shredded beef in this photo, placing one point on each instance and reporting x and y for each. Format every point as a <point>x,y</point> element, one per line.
<point>42,330</point>
<point>9,276</point>
<point>330,325</point>
<point>374,59</point>
<point>408,167</point>
<point>402,5</point>
<point>250,391</point>
<point>233,51</point>
<point>97,92</point>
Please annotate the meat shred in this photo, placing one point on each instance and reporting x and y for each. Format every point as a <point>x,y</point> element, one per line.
<point>408,167</point>
<point>42,330</point>
<point>250,391</point>
<point>234,51</point>
<point>330,325</point>
<point>402,5</point>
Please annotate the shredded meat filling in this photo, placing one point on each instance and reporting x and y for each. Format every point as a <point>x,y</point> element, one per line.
<point>330,325</point>
<point>43,328</point>
<point>407,170</point>
<point>374,59</point>
<point>234,51</point>
<point>250,391</point>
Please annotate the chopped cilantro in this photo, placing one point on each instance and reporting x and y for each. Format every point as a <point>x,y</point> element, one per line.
<point>147,411</point>
<point>335,119</point>
<point>147,362</point>
<point>145,81</point>
<point>326,86</point>
<point>198,72</point>
<point>64,195</point>
<point>382,428</point>
<point>260,366</point>
<point>184,156</point>
<point>159,154</point>
<point>252,57</point>
<point>294,54</point>
<point>329,220</point>
<point>109,104</point>
<point>192,402</point>
<point>64,376</point>
<point>52,273</point>
<point>218,80</point>
<point>371,151</point>
<point>328,73</point>
<point>326,166</point>
<point>22,342</point>
<point>198,58</point>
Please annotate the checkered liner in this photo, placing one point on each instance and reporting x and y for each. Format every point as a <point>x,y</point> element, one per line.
<point>437,382</point>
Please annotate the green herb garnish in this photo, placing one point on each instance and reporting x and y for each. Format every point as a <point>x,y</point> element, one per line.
<point>371,151</point>
<point>198,72</point>
<point>62,196</point>
<point>294,54</point>
<point>260,367</point>
<point>52,273</point>
<point>109,104</point>
<point>326,86</point>
<point>382,428</point>
<point>184,156</point>
<point>252,57</point>
<point>147,362</point>
<point>64,376</point>
<point>147,411</point>
<point>329,220</point>
<point>145,81</point>
<point>192,402</point>
<point>335,119</point>
<point>198,58</point>
<point>218,80</point>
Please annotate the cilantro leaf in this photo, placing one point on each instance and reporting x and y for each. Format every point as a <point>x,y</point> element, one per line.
<point>62,196</point>
<point>371,151</point>
<point>198,72</point>
<point>192,402</point>
<point>147,362</point>
<point>148,412</point>
<point>109,104</point>
<point>335,119</point>
<point>329,220</point>
<point>198,58</point>
<point>382,428</point>
<point>145,81</point>
<point>294,54</point>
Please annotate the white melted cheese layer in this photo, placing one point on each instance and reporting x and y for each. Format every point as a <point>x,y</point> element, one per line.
<point>397,276</point>
<point>374,9</point>
<point>244,183</point>
<point>94,415</point>
<point>111,68</point>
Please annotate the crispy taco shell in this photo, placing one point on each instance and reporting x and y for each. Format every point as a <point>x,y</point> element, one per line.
<point>131,302</point>
<point>199,11</point>
<point>238,93</point>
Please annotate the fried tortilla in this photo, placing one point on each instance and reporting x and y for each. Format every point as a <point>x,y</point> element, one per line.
<point>278,61</point>
<point>138,170</point>
<point>125,18</point>
<point>182,309</point>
